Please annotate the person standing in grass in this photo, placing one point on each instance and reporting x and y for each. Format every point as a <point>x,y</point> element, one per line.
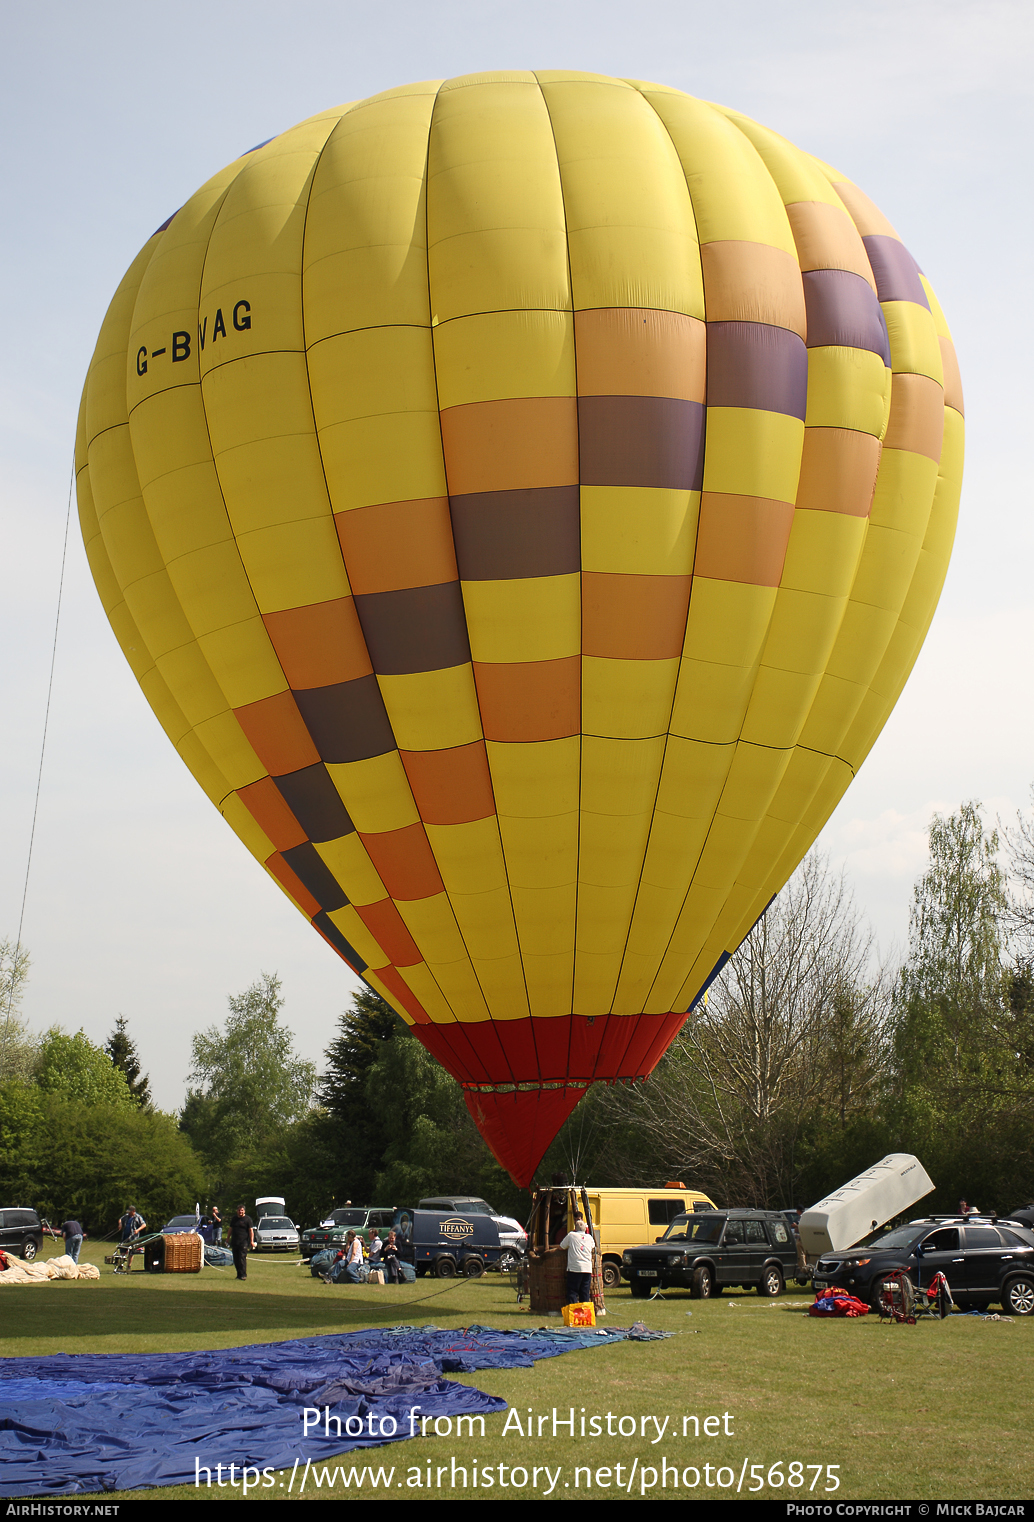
<point>242,1240</point>
<point>74,1236</point>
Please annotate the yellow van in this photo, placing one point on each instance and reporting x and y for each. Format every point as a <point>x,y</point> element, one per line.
<point>621,1217</point>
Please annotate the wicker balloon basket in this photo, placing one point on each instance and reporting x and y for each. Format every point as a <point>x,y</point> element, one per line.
<point>549,1285</point>
<point>553,1212</point>
<point>182,1253</point>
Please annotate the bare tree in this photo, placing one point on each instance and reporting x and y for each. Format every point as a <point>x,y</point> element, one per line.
<point>794,1027</point>
<point>1019,840</point>
<point>17,1048</point>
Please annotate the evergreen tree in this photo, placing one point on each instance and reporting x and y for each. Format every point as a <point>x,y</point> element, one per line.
<point>349,1135</point>
<point>122,1050</point>
<point>362,1029</point>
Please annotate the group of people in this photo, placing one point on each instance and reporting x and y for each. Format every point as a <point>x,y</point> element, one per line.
<point>132,1225</point>
<point>351,1267</point>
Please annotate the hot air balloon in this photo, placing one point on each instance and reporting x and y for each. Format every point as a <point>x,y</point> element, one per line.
<point>521,500</point>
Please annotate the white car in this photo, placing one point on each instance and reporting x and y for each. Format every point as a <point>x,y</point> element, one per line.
<point>276,1233</point>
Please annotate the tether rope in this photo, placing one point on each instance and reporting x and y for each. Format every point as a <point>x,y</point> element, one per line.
<point>39,782</point>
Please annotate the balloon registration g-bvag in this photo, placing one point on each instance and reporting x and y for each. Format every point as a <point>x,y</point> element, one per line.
<point>521,500</point>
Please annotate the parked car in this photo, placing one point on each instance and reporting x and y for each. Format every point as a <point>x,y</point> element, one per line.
<point>712,1250</point>
<point>178,1224</point>
<point>983,1260</point>
<point>332,1231</point>
<point>512,1236</point>
<point>21,1232</point>
<point>1023,1215</point>
<point>276,1233</point>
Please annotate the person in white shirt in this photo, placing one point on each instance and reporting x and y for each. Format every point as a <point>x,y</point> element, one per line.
<point>580,1245</point>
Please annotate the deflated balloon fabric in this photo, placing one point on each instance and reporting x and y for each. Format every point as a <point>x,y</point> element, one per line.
<point>92,1422</point>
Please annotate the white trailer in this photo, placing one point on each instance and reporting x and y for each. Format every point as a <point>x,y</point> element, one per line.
<point>854,1210</point>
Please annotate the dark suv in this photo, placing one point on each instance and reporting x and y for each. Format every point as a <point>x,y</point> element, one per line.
<point>712,1250</point>
<point>21,1233</point>
<point>983,1261</point>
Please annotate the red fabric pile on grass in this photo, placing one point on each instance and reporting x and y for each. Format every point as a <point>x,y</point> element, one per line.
<point>837,1302</point>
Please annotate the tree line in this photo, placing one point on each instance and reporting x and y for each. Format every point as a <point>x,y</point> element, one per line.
<point>806,1063</point>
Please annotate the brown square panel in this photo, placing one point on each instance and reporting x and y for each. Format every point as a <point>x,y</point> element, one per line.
<point>388,929</point>
<point>916,416</point>
<point>397,544</point>
<point>347,722</point>
<point>634,351</point>
<point>511,445</point>
<point>641,441</point>
<point>530,700</point>
<point>419,629</point>
<point>276,732</point>
<point>632,617</point>
<point>292,883</point>
<point>450,786</point>
<point>843,310</point>
<point>405,862</point>
<point>309,867</point>
<point>266,806</point>
<point>742,538</point>
<point>895,271</point>
<point>319,645</point>
<point>329,931</point>
<point>504,535</point>
<point>316,803</point>
<point>838,471</point>
<point>753,364</point>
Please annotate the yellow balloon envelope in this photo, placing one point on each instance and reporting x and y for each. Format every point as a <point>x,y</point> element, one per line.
<point>522,499</point>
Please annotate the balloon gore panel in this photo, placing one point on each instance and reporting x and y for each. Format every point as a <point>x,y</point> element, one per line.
<point>522,499</point>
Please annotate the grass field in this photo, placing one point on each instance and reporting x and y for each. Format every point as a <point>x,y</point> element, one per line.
<point>940,1410</point>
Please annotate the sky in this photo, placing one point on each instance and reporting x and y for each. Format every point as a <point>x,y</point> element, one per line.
<point>141,901</point>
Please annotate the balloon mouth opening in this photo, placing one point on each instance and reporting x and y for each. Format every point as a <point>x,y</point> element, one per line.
<point>519,1120</point>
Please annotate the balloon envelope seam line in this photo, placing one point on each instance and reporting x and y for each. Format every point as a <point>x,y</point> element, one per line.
<point>581,612</point>
<point>432,317</point>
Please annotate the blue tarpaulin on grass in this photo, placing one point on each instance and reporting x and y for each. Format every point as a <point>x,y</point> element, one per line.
<point>123,1421</point>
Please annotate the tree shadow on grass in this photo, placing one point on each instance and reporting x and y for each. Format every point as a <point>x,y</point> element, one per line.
<point>120,1310</point>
